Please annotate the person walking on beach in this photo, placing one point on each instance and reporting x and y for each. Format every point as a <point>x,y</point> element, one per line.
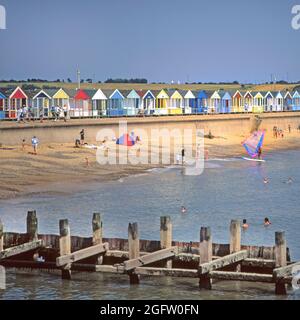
<point>290,129</point>
<point>82,136</point>
<point>65,109</point>
<point>35,143</point>
<point>183,156</point>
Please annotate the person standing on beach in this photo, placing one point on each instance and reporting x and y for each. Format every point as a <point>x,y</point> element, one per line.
<point>35,143</point>
<point>82,136</point>
<point>290,129</point>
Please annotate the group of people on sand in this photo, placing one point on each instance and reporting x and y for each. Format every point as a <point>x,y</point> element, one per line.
<point>278,133</point>
<point>34,143</point>
<point>57,111</point>
<point>266,223</point>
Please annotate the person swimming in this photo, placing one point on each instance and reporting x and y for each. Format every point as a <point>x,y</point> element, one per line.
<point>267,222</point>
<point>183,209</point>
<point>245,224</point>
<point>289,181</point>
<point>266,180</point>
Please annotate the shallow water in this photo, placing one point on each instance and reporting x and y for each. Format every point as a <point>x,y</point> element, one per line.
<point>226,190</point>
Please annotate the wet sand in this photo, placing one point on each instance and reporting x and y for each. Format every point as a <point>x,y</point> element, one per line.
<point>62,168</point>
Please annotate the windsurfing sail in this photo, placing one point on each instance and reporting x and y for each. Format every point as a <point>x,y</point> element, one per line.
<point>254,143</point>
<point>126,140</point>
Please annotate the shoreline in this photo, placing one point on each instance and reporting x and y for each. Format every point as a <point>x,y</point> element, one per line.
<point>61,169</point>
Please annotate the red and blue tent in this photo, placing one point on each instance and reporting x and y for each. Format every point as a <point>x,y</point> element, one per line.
<point>126,140</point>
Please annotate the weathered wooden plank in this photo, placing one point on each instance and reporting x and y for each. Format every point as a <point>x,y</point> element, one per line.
<point>81,254</point>
<point>175,272</point>
<point>97,226</point>
<point>283,272</point>
<point>29,246</point>
<point>235,236</point>
<point>150,258</point>
<point>223,262</point>
<point>241,276</point>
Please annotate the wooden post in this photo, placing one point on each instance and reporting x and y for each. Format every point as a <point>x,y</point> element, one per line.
<point>32,226</point>
<point>166,237</point>
<point>65,246</point>
<point>280,259</point>
<point>97,233</point>
<point>32,230</point>
<point>1,236</point>
<point>235,239</point>
<point>205,251</point>
<point>134,249</point>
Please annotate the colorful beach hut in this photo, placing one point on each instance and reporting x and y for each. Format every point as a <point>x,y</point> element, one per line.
<point>132,102</point>
<point>17,100</point>
<point>99,102</point>
<point>176,102</point>
<point>258,104</point>
<point>278,101</point>
<point>296,101</point>
<point>83,104</point>
<point>238,102</point>
<point>41,103</point>
<point>268,101</point>
<point>287,101</point>
<point>3,105</point>
<point>215,102</point>
<point>248,102</point>
<point>61,98</point>
<point>226,102</point>
<point>147,101</point>
<point>115,103</point>
<point>189,102</point>
<point>202,105</point>
<point>162,102</point>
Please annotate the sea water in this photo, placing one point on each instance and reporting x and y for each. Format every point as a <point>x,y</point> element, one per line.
<point>229,189</point>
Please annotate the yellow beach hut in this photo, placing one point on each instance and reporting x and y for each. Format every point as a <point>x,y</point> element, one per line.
<point>258,105</point>
<point>176,102</point>
<point>61,98</point>
<point>162,102</point>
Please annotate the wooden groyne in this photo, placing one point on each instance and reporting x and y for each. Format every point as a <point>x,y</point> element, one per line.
<point>135,257</point>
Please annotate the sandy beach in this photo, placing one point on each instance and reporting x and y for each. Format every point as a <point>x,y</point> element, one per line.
<point>64,168</point>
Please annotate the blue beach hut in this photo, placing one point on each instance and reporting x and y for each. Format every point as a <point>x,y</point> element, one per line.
<point>226,102</point>
<point>2,106</point>
<point>115,103</point>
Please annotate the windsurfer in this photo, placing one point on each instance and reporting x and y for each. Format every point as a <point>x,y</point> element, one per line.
<point>259,152</point>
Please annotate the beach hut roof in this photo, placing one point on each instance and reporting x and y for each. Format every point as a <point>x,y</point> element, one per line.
<point>163,94</point>
<point>288,94</point>
<point>42,94</point>
<point>99,95</point>
<point>2,95</point>
<point>84,94</point>
<point>18,93</point>
<point>188,94</point>
<point>148,95</point>
<point>248,94</point>
<point>133,95</point>
<point>114,94</point>
<point>64,94</point>
<point>175,94</point>
<point>296,94</point>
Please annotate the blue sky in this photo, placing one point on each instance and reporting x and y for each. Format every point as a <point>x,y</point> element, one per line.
<point>195,40</point>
